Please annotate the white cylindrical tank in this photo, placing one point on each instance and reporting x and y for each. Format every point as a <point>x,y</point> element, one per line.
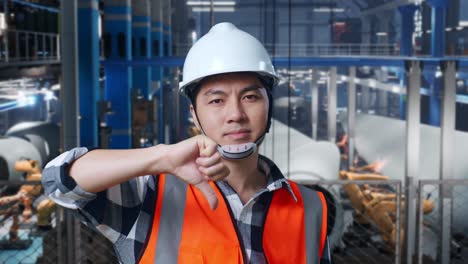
<point>13,149</point>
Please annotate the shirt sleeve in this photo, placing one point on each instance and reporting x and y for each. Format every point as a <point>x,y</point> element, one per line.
<point>60,186</point>
<point>113,212</point>
<point>326,258</point>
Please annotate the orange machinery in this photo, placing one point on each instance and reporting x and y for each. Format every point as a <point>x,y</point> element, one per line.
<point>377,205</point>
<point>25,197</point>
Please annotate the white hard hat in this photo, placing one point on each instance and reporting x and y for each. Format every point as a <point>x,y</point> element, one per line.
<point>225,49</point>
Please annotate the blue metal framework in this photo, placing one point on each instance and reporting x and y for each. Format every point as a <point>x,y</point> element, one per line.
<point>25,3</point>
<point>161,59</point>
<point>142,33</point>
<point>398,64</point>
<point>119,79</point>
<point>407,28</point>
<point>307,61</point>
<point>89,92</point>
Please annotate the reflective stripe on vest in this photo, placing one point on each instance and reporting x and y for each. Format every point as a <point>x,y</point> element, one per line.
<point>186,230</point>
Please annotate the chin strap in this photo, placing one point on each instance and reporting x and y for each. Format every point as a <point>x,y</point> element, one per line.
<point>240,151</point>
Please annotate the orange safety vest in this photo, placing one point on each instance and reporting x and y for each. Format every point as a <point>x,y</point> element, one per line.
<point>186,230</point>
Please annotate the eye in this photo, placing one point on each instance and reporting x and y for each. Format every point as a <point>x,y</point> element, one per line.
<point>215,101</point>
<point>251,97</point>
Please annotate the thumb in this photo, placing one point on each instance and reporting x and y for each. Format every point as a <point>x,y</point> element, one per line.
<point>207,146</point>
<point>209,193</point>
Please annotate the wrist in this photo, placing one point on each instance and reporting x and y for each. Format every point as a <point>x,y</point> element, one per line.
<point>158,160</point>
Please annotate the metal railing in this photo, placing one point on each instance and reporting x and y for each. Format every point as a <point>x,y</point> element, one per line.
<point>307,50</point>
<point>442,236</point>
<point>35,231</point>
<point>313,50</point>
<point>94,247</point>
<point>367,230</point>
<point>26,46</point>
<point>28,226</point>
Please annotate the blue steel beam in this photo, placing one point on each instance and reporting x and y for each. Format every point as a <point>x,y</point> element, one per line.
<point>167,27</point>
<point>88,52</point>
<point>50,9</point>
<point>361,3</point>
<point>157,38</point>
<point>306,61</point>
<point>389,5</point>
<point>439,8</point>
<point>141,32</point>
<point>118,24</point>
<point>406,43</point>
<point>278,61</point>
<point>169,117</point>
<point>407,29</point>
<point>462,62</point>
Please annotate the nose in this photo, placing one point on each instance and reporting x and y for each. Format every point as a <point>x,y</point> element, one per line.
<point>235,112</point>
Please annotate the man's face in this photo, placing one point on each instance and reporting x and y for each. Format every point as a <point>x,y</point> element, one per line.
<point>232,108</point>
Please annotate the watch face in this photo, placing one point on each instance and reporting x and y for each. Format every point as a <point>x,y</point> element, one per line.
<point>239,151</point>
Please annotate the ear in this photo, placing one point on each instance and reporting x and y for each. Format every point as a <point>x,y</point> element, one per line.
<point>194,117</point>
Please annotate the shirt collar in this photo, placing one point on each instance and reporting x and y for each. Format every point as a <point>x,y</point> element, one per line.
<point>275,179</point>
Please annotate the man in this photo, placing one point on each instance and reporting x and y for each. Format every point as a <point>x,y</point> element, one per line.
<point>208,199</point>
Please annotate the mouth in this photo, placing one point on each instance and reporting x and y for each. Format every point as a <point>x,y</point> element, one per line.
<point>238,134</point>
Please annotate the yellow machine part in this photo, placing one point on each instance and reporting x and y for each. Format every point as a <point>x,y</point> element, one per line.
<point>44,212</point>
<point>29,192</point>
<point>377,205</point>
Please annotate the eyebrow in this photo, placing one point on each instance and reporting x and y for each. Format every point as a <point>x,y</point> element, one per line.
<point>252,87</point>
<point>244,90</point>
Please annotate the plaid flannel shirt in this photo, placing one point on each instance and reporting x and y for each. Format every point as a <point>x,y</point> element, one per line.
<point>124,212</point>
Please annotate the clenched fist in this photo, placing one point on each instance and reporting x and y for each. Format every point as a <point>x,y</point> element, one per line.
<point>197,161</point>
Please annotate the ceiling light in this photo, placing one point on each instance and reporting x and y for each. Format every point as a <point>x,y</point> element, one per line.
<point>215,9</point>
<point>49,95</point>
<point>208,3</point>
<point>193,36</point>
<point>24,100</point>
<point>463,23</point>
<point>2,22</point>
<point>328,9</point>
